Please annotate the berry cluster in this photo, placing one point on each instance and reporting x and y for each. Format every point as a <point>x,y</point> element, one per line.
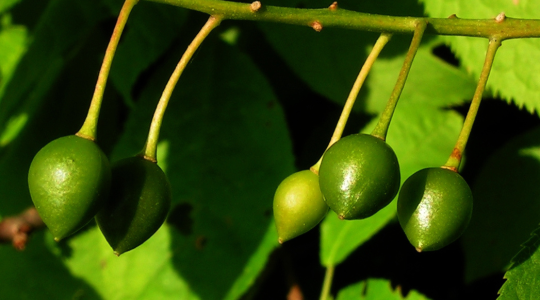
<point>358,175</point>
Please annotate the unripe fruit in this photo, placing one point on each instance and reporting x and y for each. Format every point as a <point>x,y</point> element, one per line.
<point>138,205</point>
<point>434,208</point>
<point>298,205</point>
<point>69,180</point>
<point>359,175</point>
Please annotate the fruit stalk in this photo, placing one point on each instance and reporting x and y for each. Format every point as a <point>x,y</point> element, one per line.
<point>381,129</point>
<point>368,64</point>
<point>327,284</point>
<point>150,147</point>
<point>377,48</point>
<point>89,127</point>
<point>455,158</point>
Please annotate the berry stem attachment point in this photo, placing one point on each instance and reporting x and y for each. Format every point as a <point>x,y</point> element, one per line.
<point>368,64</point>
<point>150,147</point>
<point>455,158</point>
<point>381,129</point>
<point>89,127</point>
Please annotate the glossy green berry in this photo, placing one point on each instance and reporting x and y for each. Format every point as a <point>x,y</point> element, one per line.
<point>138,205</point>
<point>298,205</point>
<point>434,208</point>
<point>69,181</point>
<point>359,175</point>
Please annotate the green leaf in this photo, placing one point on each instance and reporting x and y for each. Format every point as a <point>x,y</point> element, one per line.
<point>227,149</point>
<point>7,4</point>
<point>255,265</point>
<point>431,81</point>
<point>151,29</point>
<point>61,27</point>
<point>148,272</point>
<point>421,136</point>
<point>37,274</point>
<point>145,273</point>
<point>339,237</point>
<point>375,289</point>
<point>513,76</point>
<point>522,277</point>
<point>506,196</point>
<point>13,44</point>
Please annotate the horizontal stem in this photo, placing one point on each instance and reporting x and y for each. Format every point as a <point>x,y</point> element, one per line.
<point>501,27</point>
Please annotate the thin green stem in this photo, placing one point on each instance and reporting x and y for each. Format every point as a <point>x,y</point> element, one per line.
<point>381,129</point>
<point>507,28</point>
<point>360,79</point>
<point>455,158</point>
<point>150,148</point>
<point>377,48</point>
<point>89,127</point>
<point>327,284</point>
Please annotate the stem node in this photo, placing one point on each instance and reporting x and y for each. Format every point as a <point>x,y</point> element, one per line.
<point>500,17</point>
<point>316,25</point>
<point>255,6</point>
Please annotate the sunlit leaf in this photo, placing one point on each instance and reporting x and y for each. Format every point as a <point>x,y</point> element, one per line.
<point>512,76</point>
<point>57,33</point>
<point>6,4</point>
<point>522,277</point>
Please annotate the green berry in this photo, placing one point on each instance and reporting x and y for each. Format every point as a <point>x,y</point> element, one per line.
<point>298,205</point>
<point>434,208</point>
<point>69,181</point>
<point>138,205</point>
<point>359,175</point>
